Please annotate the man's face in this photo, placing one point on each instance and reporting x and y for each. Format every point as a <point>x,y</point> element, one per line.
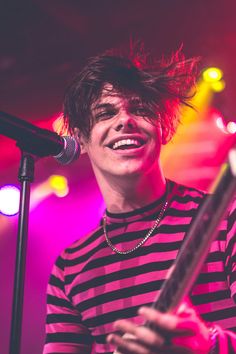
<point>125,138</point>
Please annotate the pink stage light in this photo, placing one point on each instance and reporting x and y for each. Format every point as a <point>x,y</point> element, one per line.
<point>9,200</point>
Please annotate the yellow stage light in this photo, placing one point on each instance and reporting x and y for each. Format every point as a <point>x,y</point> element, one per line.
<point>59,185</point>
<point>58,125</point>
<point>218,86</point>
<point>212,74</point>
<point>55,184</point>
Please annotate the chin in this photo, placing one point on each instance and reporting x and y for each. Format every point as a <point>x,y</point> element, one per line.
<point>130,171</point>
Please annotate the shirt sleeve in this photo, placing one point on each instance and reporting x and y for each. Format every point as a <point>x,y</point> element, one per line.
<point>65,332</point>
<point>226,343</point>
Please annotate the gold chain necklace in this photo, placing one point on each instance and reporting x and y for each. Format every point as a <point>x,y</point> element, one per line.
<point>156,223</point>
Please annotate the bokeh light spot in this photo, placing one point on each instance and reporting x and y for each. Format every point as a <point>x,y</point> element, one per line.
<point>220,124</point>
<point>218,86</point>
<point>231,127</point>
<point>9,200</point>
<point>212,74</point>
<point>59,126</point>
<point>59,185</point>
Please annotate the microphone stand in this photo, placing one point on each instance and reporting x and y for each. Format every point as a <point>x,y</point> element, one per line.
<point>34,142</point>
<point>25,176</point>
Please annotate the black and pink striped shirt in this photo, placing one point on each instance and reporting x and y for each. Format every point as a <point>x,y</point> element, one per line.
<point>91,286</point>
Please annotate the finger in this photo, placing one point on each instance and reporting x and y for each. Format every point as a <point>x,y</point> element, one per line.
<point>126,346</point>
<point>185,309</point>
<point>142,334</point>
<point>129,344</point>
<point>129,347</point>
<point>166,323</point>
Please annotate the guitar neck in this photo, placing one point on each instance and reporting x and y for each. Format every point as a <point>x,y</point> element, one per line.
<point>198,240</point>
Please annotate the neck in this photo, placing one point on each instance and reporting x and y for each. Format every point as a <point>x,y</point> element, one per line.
<point>126,194</point>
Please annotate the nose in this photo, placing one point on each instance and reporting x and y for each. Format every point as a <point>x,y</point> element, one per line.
<point>125,122</point>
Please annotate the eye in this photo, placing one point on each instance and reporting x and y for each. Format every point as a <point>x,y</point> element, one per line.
<point>142,111</point>
<point>105,114</point>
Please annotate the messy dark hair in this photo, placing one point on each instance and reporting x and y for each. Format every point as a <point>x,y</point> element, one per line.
<point>162,85</point>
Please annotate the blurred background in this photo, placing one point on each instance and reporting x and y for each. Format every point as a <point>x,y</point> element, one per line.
<point>43,43</point>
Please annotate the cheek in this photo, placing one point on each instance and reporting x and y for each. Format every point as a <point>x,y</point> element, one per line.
<point>99,133</point>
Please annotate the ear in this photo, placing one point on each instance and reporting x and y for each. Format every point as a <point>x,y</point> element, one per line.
<point>81,140</point>
<point>164,138</point>
<point>163,130</point>
<point>163,134</point>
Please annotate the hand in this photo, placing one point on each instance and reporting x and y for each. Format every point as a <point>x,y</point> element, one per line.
<point>180,333</point>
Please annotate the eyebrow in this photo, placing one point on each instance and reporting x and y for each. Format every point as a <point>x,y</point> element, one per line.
<point>131,101</point>
<point>104,105</point>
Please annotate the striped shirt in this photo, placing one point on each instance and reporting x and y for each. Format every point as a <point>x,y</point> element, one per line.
<point>91,286</point>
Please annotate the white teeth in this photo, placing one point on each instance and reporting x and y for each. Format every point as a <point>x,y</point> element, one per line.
<point>125,142</point>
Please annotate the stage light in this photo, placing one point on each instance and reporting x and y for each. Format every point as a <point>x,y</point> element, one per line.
<point>220,123</point>
<point>59,185</point>
<point>9,200</point>
<point>212,74</point>
<point>59,126</point>
<point>231,127</point>
<point>218,86</point>
<point>55,184</point>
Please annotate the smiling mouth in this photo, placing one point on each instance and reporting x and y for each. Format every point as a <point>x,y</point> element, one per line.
<point>125,144</point>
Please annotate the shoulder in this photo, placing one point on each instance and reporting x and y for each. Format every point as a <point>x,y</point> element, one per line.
<point>84,254</point>
<point>82,245</point>
<point>185,194</point>
<point>73,258</point>
<point>185,201</point>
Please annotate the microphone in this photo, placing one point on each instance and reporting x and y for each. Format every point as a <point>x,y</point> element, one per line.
<point>37,141</point>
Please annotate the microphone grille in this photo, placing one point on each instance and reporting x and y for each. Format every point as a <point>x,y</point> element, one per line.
<point>70,152</point>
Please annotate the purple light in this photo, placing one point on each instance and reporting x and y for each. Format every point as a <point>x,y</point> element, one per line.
<point>9,200</point>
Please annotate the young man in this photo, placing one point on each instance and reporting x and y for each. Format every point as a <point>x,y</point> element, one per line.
<point>102,287</point>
